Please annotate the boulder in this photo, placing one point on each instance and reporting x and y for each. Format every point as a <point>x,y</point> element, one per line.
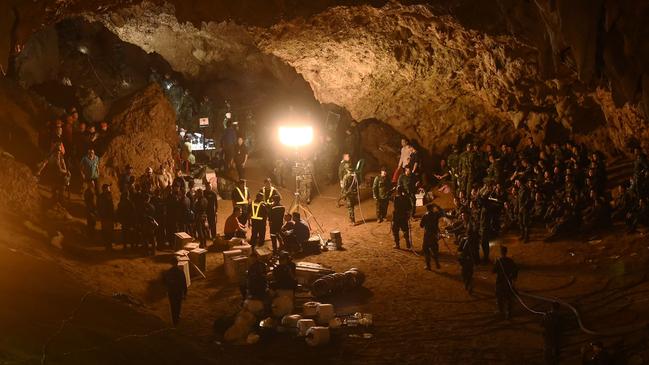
<point>140,150</point>
<point>148,111</point>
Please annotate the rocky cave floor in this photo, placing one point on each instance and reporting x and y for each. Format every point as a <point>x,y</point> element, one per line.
<point>60,300</point>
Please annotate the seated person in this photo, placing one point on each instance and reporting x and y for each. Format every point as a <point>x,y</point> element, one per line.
<point>295,233</point>
<point>233,228</point>
<point>284,273</point>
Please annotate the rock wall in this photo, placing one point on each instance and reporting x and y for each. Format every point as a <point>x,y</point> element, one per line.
<point>436,70</point>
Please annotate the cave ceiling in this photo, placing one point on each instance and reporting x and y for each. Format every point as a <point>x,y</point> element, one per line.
<point>435,70</point>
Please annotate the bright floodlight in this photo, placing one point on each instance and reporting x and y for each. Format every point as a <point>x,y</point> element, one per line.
<point>296,136</point>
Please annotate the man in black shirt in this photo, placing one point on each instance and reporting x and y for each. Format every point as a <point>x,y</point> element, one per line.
<point>401,216</point>
<point>176,284</point>
<point>276,220</point>
<point>240,158</point>
<point>212,208</point>
<point>430,224</point>
<point>507,272</point>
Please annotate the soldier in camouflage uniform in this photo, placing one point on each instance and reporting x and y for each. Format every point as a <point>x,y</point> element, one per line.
<point>343,167</point>
<point>465,170</point>
<point>453,162</point>
<point>525,202</point>
<point>350,193</point>
<point>381,189</point>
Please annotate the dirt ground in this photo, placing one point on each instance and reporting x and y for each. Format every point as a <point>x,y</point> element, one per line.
<point>420,317</point>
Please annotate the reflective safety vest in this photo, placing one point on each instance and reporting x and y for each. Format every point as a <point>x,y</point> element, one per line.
<point>244,195</point>
<point>269,199</point>
<point>255,211</point>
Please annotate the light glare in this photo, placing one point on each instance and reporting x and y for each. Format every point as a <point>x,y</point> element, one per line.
<point>296,136</point>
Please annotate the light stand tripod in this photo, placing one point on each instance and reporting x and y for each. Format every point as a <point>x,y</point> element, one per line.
<point>304,210</point>
<point>298,205</point>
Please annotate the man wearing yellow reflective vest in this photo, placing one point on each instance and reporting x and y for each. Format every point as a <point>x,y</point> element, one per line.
<point>269,192</point>
<point>241,199</point>
<point>258,220</point>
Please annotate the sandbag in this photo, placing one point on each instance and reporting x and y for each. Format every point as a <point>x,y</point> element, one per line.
<point>310,309</point>
<point>303,326</point>
<point>326,312</point>
<point>317,336</point>
<point>291,320</point>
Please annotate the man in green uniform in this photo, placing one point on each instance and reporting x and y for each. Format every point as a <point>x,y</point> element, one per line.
<point>381,189</point>
<point>344,166</point>
<point>350,193</point>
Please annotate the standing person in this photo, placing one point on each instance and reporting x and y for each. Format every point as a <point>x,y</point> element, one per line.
<point>90,168</point>
<point>350,193</point>
<point>344,166</point>
<point>126,214</point>
<point>381,189</point>
<point>407,182</point>
<point>241,198</point>
<point>275,221</point>
<point>430,224</point>
<point>176,284</point>
<point>148,225</point>
<point>258,220</point>
<point>404,159</point>
<point>507,272</point>
<point>269,192</point>
<point>90,201</point>
<point>466,263</point>
<point>400,217</point>
<point>228,142</point>
<point>60,173</point>
<point>200,216</point>
<point>212,208</point>
<point>240,158</point>
<point>525,203</point>
<point>106,212</point>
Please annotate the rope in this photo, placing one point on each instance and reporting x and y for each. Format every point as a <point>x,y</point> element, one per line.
<point>511,287</point>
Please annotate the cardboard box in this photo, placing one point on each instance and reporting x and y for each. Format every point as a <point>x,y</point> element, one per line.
<point>198,257</point>
<point>181,238</point>
<point>240,267</point>
<point>191,246</point>
<point>227,261</point>
<point>245,249</point>
<point>184,265</point>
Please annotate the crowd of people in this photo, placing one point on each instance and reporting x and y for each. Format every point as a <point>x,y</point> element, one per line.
<point>559,188</point>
